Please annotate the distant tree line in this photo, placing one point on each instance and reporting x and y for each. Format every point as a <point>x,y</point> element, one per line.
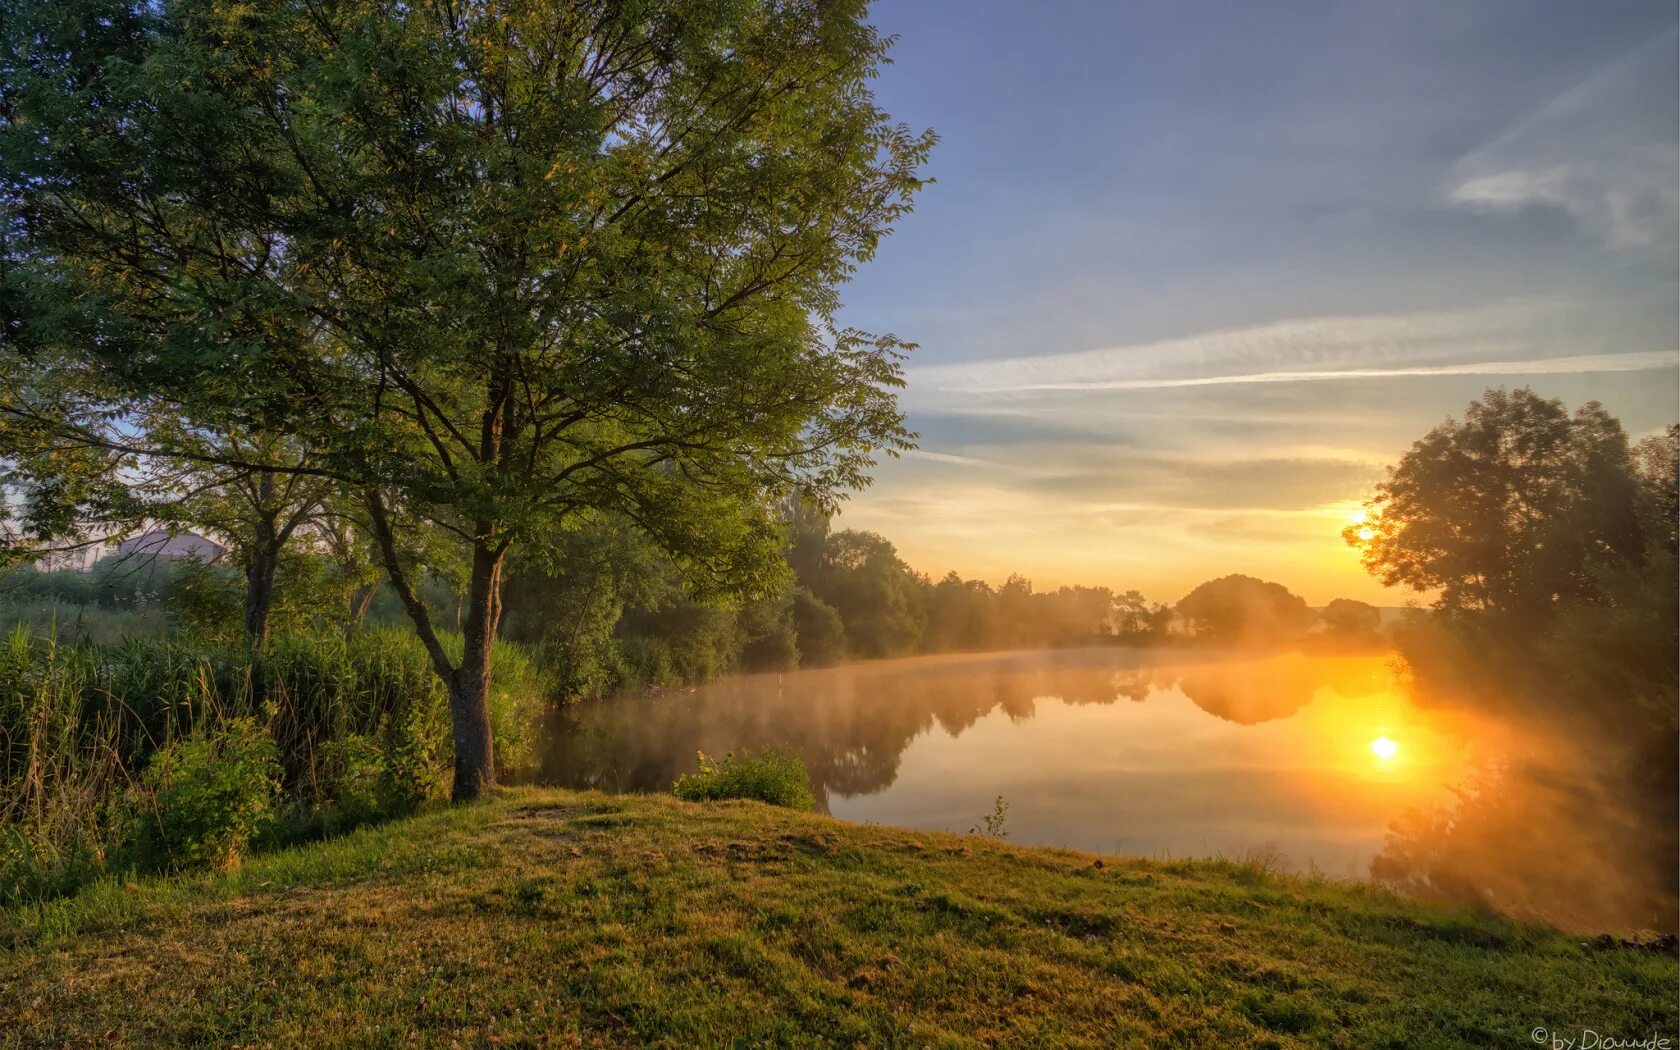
<point>623,618</point>
<point>614,614</point>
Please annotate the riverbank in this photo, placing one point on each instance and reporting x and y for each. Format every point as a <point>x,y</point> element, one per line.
<point>548,917</point>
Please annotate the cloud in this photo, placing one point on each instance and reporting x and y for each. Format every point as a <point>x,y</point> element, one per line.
<point>1201,481</point>
<point>1584,364</point>
<point>948,457</point>
<point>1522,337</point>
<point>1603,153</point>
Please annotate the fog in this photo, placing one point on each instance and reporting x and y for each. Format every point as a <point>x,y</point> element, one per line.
<point>1175,753</point>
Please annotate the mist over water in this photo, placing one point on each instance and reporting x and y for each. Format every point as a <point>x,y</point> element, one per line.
<point>1324,761</point>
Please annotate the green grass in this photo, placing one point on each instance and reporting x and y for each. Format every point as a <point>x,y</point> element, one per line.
<point>547,917</point>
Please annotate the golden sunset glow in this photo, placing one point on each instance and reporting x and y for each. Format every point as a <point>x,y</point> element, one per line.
<point>1385,748</point>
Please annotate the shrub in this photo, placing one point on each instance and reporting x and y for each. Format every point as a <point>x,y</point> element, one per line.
<point>413,760</point>
<point>644,663</point>
<point>207,795</point>
<point>206,602</point>
<point>519,692</point>
<point>351,782</point>
<point>773,775</point>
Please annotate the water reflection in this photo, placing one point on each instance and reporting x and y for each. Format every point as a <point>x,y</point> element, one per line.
<point>1321,758</point>
<point>1105,749</point>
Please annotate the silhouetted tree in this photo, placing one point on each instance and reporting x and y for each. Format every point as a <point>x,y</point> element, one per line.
<point>1349,618</point>
<point>1243,610</point>
<point>1553,545</point>
<point>1505,510</point>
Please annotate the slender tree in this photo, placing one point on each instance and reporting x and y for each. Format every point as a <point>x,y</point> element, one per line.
<point>507,264</point>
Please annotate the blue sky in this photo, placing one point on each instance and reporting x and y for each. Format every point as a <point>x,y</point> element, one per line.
<point>1191,274</point>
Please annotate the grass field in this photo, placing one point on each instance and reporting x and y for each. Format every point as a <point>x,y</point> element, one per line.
<point>555,918</point>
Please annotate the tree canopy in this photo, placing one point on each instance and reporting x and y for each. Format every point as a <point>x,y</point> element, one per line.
<point>505,266</point>
<point>1348,617</point>
<point>1243,610</point>
<point>1507,509</point>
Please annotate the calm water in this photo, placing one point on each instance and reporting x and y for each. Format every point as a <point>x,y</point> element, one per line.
<point>1111,750</point>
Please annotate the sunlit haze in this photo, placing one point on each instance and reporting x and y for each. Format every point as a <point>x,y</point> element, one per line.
<point>1191,277</point>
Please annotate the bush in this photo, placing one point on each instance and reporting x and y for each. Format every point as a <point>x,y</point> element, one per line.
<point>773,775</point>
<point>351,786</point>
<point>644,663</point>
<point>207,795</point>
<point>206,602</point>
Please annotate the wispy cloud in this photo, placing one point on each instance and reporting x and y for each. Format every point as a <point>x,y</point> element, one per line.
<point>1580,365</point>
<point>948,457</point>
<point>1522,337</point>
<point>1601,152</point>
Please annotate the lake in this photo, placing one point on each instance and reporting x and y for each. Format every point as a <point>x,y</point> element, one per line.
<point>1163,753</point>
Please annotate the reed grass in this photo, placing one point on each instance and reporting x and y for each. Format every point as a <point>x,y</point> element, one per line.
<point>80,721</point>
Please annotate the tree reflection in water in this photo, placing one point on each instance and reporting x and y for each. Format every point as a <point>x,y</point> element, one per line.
<point>851,724</point>
<point>1469,812</point>
<point>1538,838</point>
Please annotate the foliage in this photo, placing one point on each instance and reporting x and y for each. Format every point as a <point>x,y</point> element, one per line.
<point>1553,545</point>
<point>568,610</point>
<point>206,601</point>
<point>1242,610</point>
<point>1348,618</point>
<point>208,795</point>
<point>773,775</point>
<point>878,595</point>
<point>353,785</point>
<point>614,613</point>
<point>494,268</point>
<point>359,726</point>
<point>818,630</point>
<point>1504,511</point>
<point>769,639</point>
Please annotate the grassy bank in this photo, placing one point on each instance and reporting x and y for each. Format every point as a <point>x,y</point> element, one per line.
<point>547,917</point>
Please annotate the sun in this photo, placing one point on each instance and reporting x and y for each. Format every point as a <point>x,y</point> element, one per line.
<point>1384,748</point>
<point>1358,516</point>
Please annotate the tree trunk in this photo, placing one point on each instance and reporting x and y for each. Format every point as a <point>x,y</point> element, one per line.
<point>469,715</point>
<point>259,577</point>
<point>469,686</point>
<point>259,597</point>
<point>360,599</point>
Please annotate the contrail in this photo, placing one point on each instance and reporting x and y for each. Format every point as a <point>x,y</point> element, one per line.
<point>1644,361</point>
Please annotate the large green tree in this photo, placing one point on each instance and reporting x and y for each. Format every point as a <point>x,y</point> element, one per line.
<point>507,264</point>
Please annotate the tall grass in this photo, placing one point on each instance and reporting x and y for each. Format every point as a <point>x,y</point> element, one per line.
<point>70,621</point>
<point>79,724</point>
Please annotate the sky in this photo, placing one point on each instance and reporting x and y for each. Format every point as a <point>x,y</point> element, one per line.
<point>1192,274</point>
